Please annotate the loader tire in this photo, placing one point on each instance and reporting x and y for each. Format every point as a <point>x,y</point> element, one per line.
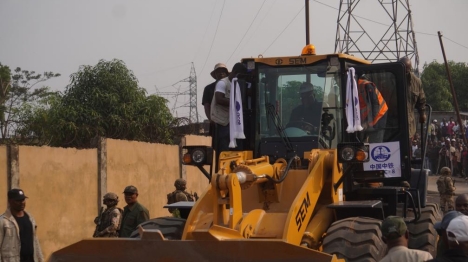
<point>356,239</point>
<point>423,236</point>
<point>172,228</point>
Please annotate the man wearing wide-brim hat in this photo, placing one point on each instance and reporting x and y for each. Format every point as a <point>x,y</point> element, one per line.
<point>18,241</point>
<point>220,71</point>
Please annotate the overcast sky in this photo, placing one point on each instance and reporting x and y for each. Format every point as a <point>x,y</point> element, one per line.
<point>158,40</point>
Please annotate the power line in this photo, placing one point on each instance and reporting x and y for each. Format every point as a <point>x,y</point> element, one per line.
<point>300,11</point>
<point>214,37</point>
<point>204,35</point>
<point>261,22</point>
<point>370,20</point>
<point>165,69</point>
<point>246,31</point>
<point>455,42</point>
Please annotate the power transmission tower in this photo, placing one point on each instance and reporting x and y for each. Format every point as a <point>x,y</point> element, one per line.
<point>192,79</point>
<point>397,41</point>
<point>192,93</point>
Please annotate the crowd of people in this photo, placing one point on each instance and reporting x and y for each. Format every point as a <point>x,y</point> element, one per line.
<point>445,148</point>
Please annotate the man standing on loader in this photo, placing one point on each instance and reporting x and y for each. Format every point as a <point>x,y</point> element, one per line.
<point>373,111</point>
<point>219,112</point>
<point>446,189</point>
<point>108,221</point>
<point>416,97</point>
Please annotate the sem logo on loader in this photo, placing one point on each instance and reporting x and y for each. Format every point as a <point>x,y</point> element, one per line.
<point>297,61</point>
<point>301,214</point>
<point>279,61</point>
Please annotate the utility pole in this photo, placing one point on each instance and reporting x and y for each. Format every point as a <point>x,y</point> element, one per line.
<point>398,38</point>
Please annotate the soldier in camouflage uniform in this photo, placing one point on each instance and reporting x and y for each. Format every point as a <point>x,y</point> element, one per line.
<point>180,194</point>
<point>446,189</point>
<point>416,99</point>
<point>108,223</point>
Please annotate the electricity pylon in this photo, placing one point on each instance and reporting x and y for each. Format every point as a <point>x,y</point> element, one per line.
<point>191,92</point>
<point>394,41</point>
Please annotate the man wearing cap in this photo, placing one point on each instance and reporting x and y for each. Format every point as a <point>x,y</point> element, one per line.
<point>457,238</point>
<point>441,228</point>
<point>395,234</point>
<point>134,213</point>
<point>220,71</point>
<point>307,115</point>
<point>18,241</point>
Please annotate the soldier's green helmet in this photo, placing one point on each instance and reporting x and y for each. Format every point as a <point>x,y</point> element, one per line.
<point>445,170</point>
<point>180,182</point>
<point>111,196</point>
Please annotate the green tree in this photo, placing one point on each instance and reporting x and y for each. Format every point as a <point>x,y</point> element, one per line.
<point>103,100</point>
<point>5,83</point>
<point>437,87</point>
<point>18,93</point>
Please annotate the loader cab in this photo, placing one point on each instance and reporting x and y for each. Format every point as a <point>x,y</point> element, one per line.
<point>283,118</point>
<point>277,126</point>
<point>295,105</point>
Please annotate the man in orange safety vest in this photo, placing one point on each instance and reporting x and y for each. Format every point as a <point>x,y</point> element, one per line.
<point>373,111</point>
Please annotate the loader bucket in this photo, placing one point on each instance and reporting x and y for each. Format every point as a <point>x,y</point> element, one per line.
<point>151,247</point>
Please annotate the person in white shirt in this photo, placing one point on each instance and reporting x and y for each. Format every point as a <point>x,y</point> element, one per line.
<point>220,108</point>
<point>395,234</point>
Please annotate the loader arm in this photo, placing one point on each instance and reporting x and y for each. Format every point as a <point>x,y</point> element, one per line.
<point>245,205</point>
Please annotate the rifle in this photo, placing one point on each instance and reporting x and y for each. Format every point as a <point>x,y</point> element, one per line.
<point>98,222</point>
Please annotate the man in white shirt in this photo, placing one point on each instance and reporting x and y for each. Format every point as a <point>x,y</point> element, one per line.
<point>220,108</point>
<point>395,234</point>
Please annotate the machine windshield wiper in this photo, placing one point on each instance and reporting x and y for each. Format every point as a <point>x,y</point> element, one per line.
<point>273,116</point>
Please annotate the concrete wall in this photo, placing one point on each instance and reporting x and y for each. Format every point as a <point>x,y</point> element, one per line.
<point>152,168</point>
<point>3,178</point>
<point>65,185</point>
<point>62,188</point>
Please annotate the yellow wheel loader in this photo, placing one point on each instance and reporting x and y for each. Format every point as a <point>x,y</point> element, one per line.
<point>311,181</point>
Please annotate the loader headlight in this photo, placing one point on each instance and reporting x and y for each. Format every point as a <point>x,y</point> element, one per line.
<point>197,155</point>
<point>353,152</point>
<point>347,153</point>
